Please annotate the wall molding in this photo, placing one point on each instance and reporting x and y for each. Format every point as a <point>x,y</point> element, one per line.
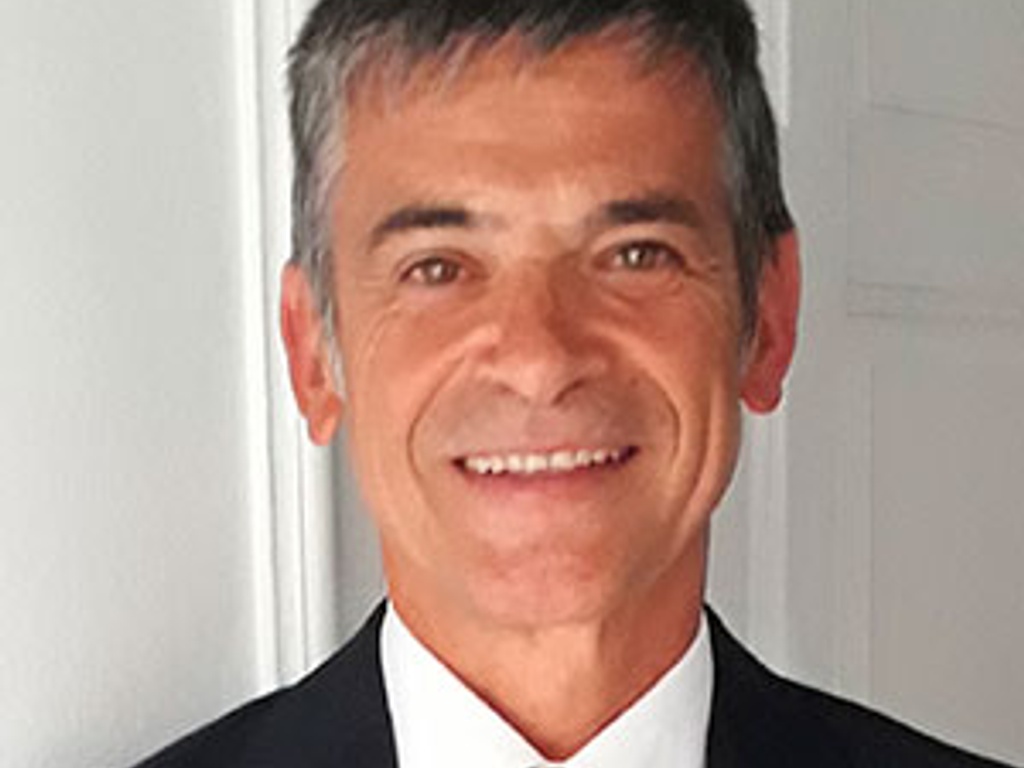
<point>853,535</point>
<point>768,553</point>
<point>290,481</point>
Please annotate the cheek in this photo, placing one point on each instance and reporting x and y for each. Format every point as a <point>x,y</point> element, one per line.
<point>396,361</point>
<point>695,367</point>
<point>691,347</point>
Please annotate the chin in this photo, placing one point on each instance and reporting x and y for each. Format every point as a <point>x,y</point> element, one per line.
<point>536,596</point>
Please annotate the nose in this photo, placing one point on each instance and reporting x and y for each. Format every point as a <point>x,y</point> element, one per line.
<point>544,347</point>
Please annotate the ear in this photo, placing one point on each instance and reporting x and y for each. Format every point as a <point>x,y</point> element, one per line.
<point>309,358</point>
<point>770,350</point>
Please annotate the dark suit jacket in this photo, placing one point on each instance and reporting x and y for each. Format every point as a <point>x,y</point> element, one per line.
<point>337,717</point>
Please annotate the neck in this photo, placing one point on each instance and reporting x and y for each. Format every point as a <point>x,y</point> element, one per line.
<point>560,686</point>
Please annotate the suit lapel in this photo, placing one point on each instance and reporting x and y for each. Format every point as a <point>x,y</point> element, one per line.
<point>757,718</point>
<point>752,723</point>
<point>345,715</point>
<point>370,742</point>
<point>730,699</point>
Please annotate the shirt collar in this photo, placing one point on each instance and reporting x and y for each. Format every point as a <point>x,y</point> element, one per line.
<point>438,721</point>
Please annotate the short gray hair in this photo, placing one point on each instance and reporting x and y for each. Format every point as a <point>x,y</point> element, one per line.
<point>340,37</point>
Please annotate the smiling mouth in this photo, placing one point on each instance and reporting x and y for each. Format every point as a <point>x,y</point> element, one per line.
<point>548,464</point>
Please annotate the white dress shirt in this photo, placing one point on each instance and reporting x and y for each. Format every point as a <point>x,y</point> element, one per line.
<point>440,723</point>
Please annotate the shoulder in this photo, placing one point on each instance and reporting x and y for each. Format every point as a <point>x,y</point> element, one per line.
<point>760,718</point>
<point>231,740</point>
<point>869,738</point>
<point>336,716</point>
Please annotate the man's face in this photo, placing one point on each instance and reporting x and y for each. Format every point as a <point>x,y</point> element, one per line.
<point>539,320</point>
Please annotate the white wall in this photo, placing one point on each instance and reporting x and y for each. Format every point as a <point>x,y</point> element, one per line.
<point>125,589</point>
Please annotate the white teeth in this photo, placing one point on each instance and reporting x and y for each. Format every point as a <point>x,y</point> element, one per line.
<point>535,463</point>
<point>563,460</point>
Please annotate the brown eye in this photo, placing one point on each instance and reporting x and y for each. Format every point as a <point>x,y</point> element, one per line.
<point>644,257</point>
<point>433,271</point>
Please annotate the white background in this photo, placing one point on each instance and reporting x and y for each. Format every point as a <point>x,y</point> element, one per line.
<point>167,541</point>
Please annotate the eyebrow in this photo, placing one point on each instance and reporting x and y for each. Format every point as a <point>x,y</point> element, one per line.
<point>652,208</point>
<point>418,216</point>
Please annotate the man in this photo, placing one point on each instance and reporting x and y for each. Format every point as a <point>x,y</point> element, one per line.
<point>541,256</point>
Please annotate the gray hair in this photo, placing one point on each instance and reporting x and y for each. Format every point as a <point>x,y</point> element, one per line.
<point>341,37</point>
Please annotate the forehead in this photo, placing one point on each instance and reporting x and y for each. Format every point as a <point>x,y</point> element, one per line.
<point>596,113</point>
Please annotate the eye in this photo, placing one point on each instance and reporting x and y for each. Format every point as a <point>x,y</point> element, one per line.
<point>432,271</point>
<point>644,257</point>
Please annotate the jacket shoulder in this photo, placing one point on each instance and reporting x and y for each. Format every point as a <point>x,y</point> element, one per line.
<point>231,740</point>
<point>760,718</point>
<point>870,738</point>
<point>335,716</point>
